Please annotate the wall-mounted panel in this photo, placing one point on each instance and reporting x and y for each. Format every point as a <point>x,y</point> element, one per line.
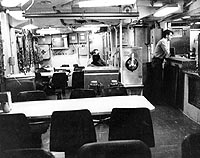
<point>181,41</point>
<point>82,37</point>
<point>73,38</point>
<point>57,41</point>
<point>44,40</point>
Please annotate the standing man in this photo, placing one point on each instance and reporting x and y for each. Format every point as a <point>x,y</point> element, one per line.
<point>161,52</point>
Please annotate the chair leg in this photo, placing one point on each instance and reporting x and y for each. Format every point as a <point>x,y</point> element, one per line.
<point>71,155</point>
<point>63,91</point>
<point>59,95</point>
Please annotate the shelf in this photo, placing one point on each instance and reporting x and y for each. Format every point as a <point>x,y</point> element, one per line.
<point>57,48</point>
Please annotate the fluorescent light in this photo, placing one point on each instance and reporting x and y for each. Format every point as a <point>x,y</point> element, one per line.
<point>13,3</point>
<point>158,4</point>
<point>167,9</point>
<point>186,17</point>
<point>104,3</point>
<point>18,15</point>
<point>30,26</point>
<point>179,19</point>
<point>48,31</point>
<point>93,28</point>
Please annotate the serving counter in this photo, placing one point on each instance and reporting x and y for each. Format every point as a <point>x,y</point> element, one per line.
<point>102,74</point>
<point>191,95</point>
<point>174,79</point>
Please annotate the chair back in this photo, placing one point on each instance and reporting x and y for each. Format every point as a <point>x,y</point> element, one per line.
<point>82,93</point>
<point>14,132</point>
<point>131,123</point>
<point>78,79</point>
<point>38,76</point>
<point>115,91</point>
<point>115,149</point>
<point>69,130</point>
<point>31,95</point>
<point>41,82</point>
<point>19,85</point>
<point>190,147</point>
<point>59,80</point>
<point>27,153</point>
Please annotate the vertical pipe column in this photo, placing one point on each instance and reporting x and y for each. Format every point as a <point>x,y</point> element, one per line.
<point>120,48</point>
<point>115,61</point>
<point>198,57</point>
<point>5,30</point>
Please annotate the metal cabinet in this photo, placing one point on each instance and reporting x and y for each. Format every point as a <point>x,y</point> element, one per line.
<point>173,82</point>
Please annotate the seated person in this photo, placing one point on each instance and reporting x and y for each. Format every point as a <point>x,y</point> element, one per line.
<point>96,59</point>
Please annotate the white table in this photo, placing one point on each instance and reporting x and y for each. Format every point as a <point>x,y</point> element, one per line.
<point>97,105</point>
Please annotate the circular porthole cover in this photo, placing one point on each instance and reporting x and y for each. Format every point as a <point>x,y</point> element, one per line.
<point>131,65</point>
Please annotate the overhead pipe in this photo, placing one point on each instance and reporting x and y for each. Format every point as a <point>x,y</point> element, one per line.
<point>82,15</point>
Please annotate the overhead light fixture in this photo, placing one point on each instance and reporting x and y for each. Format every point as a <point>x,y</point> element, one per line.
<point>166,10</point>
<point>18,15</point>
<point>179,19</point>
<point>30,26</point>
<point>104,3</point>
<point>93,28</point>
<point>158,4</point>
<point>13,3</point>
<point>191,24</point>
<point>48,31</point>
<point>186,17</point>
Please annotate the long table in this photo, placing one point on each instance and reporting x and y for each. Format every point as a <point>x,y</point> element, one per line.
<point>97,105</point>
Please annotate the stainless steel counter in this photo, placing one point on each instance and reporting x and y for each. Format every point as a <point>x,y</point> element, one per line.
<point>182,62</point>
<point>101,69</point>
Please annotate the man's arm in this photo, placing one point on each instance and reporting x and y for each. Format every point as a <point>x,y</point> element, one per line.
<point>165,48</point>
